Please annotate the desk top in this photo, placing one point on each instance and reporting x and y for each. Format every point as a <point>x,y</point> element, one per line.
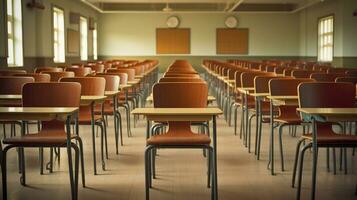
<point>177,111</point>
<point>134,82</point>
<point>209,98</point>
<point>283,97</point>
<point>111,93</point>
<point>38,110</point>
<point>329,111</point>
<point>139,76</point>
<point>258,94</point>
<point>245,89</point>
<point>124,86</point>
<point>11,97</point>
<point>83,98</point>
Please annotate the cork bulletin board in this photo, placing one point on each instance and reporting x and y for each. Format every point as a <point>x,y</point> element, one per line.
<point>173,41</point>
<point>73,41</point>
<point>232,41</point>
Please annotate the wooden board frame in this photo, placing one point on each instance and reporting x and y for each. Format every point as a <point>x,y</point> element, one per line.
<point>232,41</point>
<point>173,41</point>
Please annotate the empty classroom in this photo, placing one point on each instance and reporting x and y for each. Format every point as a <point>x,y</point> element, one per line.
<point>178,99</point>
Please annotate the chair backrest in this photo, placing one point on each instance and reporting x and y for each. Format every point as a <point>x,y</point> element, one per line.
<point>352,73</point>
<point>287,87</point>
<point>51,95</point>
<point>130,72</point>
<point>179,79</point>
<point>247,79</point>
<point>182,75</point>
<point>180,95</point>
<point>48,69</point>
<point>13,84</point>
<point>91,86</point>
<point>300,73</point>
<point>352,80</point>
<point>80,71</point>
<point>111,81</point>
<point>56,76</point>
<point>323,77</point>
<point>326,95</point>
<point>261,83</point>
<point>123,77</point>
<point>11,72</point>
<point>38,77</point>
<point>97,68</point>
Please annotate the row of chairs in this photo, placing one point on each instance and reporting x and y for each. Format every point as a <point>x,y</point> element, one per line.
<point>37,91</point>
<point>180,87</point>
<point>232,85</point>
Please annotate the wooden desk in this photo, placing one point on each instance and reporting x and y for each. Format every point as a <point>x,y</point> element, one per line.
<point>284,100</point>
<point>245,90</point>
<point>85,100</point>
<point>210,99</point>
<point>184,114</point>
<point>134,82</point>
<point>139,76</point>
<point>326,114</point>
<point>123,87</point>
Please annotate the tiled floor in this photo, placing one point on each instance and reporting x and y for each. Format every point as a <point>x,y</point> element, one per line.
<point>181,174</point>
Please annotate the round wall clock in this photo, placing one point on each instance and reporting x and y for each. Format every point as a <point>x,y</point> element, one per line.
<point>231,22</point>
<point>173,22</point>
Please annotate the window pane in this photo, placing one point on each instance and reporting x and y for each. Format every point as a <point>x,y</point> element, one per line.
<point>10,59</point>
<point>9,27</point>
<point>325,44</point>
<point>84,38</point>
<point>58,31</point>
<point>9,7</point>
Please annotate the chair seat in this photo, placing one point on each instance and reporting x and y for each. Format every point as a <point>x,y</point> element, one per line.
<point>85,119</point>
<point>288,120</point>
<point>108,109</point>
<point>329,137</point>
<point>46,138</point>
<point>183,138</point>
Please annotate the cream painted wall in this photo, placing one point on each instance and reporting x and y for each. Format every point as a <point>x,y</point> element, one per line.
<point>130,34</point>
<point>349,29</point>
<point>309,27</point>
<point>38,26</point>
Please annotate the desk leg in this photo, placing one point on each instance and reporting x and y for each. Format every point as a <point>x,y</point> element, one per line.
<point>22,156</point>
<point>257,114</point>
<point>271,160</point>
<point>93,139</point>
<point>314,159</point>
<point>215,181</point>
<point>70,165</point>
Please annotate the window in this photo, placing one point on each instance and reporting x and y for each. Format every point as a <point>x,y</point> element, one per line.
<point>84,38</point>
<point>58,36</point>
<point>14,33</point>
<point>95,48</point>
<point>325,39</point>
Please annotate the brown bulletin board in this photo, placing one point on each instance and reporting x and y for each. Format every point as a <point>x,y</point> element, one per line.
<point>232,41</point>
<point>73,41</point>
<point>173,41</point>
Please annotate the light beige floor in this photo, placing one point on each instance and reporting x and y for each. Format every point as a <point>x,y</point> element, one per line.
<point>181,173</point>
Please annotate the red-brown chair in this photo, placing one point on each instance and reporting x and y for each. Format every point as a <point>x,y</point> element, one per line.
<point>38,77</point>
<point>56,76</point>
<point>91,86</point>
<point>322,95</point>
<point>48,69</point>
<point>52,133</point>
<point>179,134</point>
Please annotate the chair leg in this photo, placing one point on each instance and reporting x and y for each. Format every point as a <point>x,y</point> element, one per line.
<point>301,165</point>
<point>296,161</point>
<point>102,145</point>
<point>120,125</point>
<point>4,173</point>
<point>41,160</point>
<point>235,119</point>
<point>105,139</point>
<point>80,142</point>
<point>249,131</point>
<point>23,167</point>
<point>259,136</point>
<point>94,150</point>
<point>147,172</point>
<point>153,164</point>
<point>76,168</point>
<point>281,146</point>
<point>116,134</point>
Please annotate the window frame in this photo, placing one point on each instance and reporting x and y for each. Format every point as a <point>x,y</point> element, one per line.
<point>319,35</point>
<point>80,34</point>
<point>54,7</point>
<point>13,26</point>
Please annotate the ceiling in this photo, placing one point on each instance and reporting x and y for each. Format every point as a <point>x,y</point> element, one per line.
<point>200,5</point>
